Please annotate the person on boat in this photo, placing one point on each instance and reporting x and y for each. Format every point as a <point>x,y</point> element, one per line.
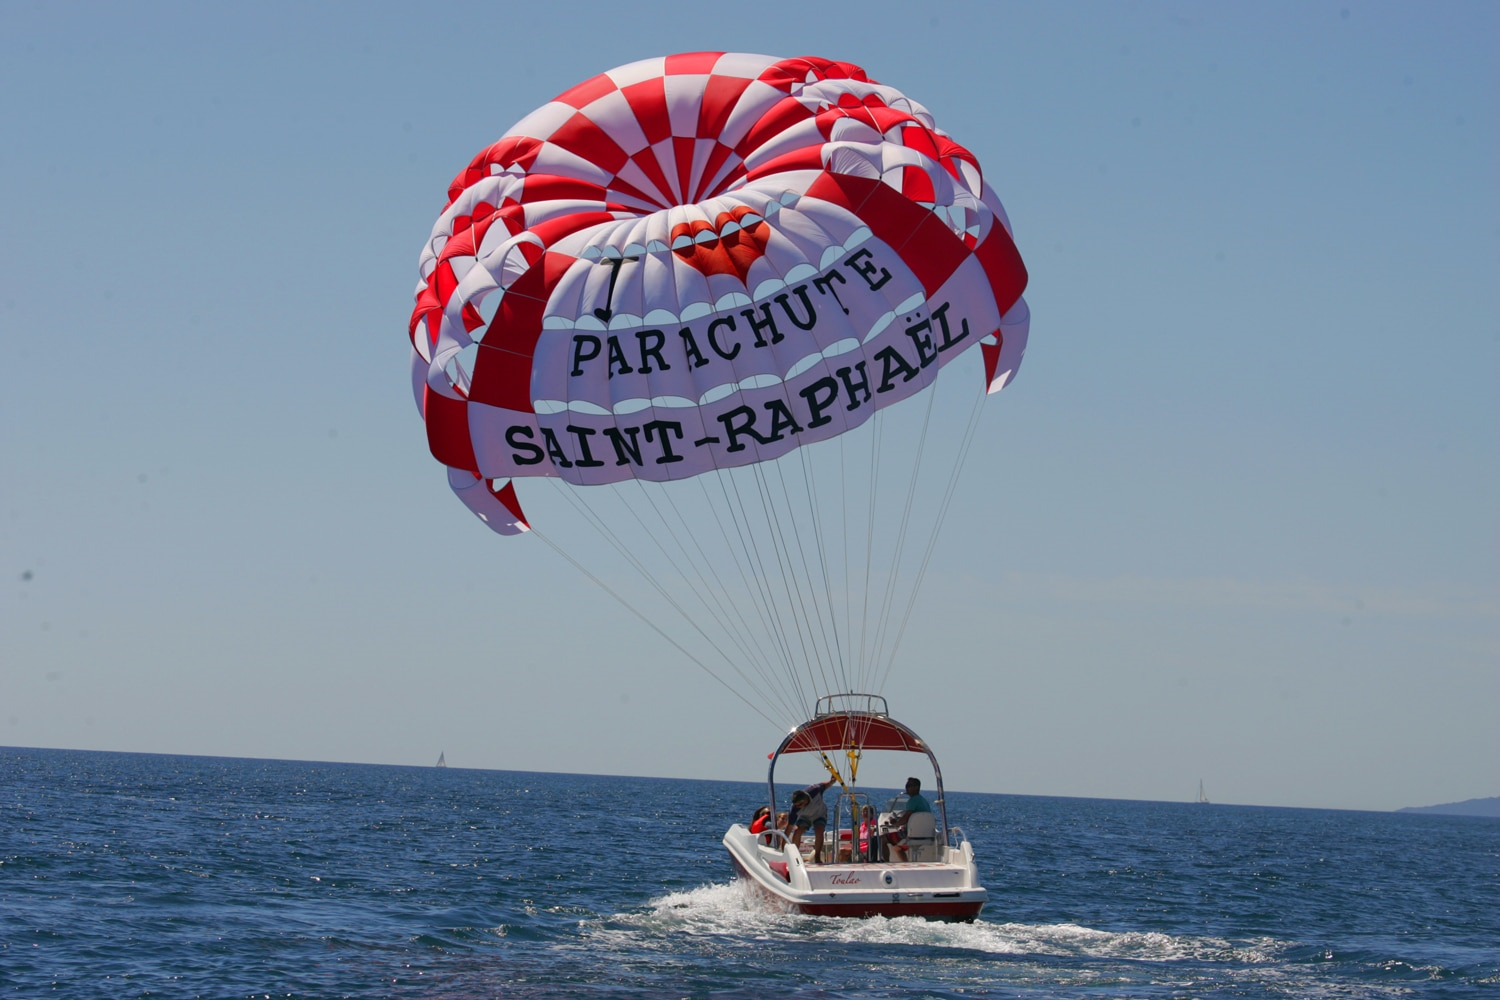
<point>761,821</point>
<point>869,834</point>
<point>915,803</point>
<point>809,811</point>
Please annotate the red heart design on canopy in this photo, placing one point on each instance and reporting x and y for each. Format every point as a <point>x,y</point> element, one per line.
<point>735,240</point>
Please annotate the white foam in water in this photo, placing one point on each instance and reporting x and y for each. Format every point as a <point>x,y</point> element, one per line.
<point>725,909</point>
<point>710,909</point>
<point>1143,946</point>
<point>707,910</point>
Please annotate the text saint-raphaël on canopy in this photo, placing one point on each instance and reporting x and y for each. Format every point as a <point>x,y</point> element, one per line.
<point>802,404</point>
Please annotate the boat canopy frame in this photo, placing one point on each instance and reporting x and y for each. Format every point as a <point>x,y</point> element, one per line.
<point>853,721</point>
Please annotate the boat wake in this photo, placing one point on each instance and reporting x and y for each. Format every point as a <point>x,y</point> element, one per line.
<point>731,931</point>
<point>725,909</point>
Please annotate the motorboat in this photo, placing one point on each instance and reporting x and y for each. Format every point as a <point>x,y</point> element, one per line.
<point>864,874</point>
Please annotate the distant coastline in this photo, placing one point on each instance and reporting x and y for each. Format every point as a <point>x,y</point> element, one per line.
<point>1471,807</point>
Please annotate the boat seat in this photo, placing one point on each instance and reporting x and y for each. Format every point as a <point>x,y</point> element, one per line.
<point>921,837</point>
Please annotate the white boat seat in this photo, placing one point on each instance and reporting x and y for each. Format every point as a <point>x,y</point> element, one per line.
<point>921,837</point>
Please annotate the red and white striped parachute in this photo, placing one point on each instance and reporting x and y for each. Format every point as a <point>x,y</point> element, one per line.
<point>697,263</point>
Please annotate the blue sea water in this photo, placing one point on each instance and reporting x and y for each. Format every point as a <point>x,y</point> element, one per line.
<point>137,875</point>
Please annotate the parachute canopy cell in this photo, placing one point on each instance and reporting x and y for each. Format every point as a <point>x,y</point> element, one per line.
<point>700,262</point>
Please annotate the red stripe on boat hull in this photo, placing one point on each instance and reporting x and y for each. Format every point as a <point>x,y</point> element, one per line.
<point>927,911</point>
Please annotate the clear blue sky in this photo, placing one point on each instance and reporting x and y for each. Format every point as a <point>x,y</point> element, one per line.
<point>1235,520</point>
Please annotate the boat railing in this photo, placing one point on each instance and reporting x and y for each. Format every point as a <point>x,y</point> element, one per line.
<point>857,803</point>
<point>773,838</point>
<point>851,703</point>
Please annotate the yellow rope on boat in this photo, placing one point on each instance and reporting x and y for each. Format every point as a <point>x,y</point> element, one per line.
<point>833,770</point>
<point>853,752</point>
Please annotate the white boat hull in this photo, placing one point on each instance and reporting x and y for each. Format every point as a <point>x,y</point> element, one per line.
<point>946,889</point>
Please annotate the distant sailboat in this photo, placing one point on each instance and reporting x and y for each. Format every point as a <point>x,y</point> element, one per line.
<point>1202,798</point>
<point>441,761</point>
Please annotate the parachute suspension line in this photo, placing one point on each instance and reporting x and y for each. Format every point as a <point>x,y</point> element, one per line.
<point>751,545</point>
<point>844,533</point>
<point>711,591</point>
<point>755,652</point>
<point>646,574</point>
<point>942,515</point>
<point>876,424</point>
<point>960,461</point>
<point>650,624</point>
<point>751,542</point>
<point>796,607</point>
<point>830,620</point>
<point>811,609</point>
<point>884,626</point>
<point>835,628</point>
<point>807,605</point>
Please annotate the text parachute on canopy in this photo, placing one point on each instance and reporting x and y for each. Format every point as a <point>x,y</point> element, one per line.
<point>698,262</point>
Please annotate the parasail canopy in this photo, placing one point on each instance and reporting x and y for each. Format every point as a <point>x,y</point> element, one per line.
<point>713,269</point>
<point>699,262</point>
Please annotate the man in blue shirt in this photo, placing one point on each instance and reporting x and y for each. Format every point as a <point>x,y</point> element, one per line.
<point>915,803</point>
